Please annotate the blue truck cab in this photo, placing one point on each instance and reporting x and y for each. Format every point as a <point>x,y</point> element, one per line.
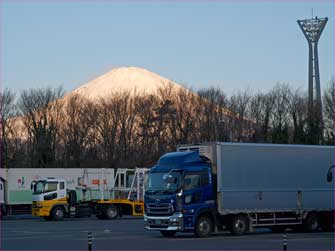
<point>180,195</point>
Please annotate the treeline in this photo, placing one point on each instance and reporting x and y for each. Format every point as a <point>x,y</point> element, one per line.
<point>44,128</point>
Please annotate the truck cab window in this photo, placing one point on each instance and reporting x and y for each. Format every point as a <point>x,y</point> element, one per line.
<point>192,181</point>
<point>204,179</point>
<point>50,187</point>
<point>62,185</point>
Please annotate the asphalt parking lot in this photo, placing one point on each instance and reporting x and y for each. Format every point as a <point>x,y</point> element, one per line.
<point>28,233</point>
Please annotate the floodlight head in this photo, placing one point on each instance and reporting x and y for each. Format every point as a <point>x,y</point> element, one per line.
<point>312,28</point>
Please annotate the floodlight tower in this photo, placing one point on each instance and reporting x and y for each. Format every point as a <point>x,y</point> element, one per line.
<point>312,29</point>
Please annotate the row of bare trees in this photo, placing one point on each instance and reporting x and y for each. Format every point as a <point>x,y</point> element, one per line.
<point>42,128</point>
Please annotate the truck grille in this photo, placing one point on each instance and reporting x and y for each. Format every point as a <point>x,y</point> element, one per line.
<point>160,209</point>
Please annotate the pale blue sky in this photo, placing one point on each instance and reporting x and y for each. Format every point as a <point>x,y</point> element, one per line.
<point>224,44</point>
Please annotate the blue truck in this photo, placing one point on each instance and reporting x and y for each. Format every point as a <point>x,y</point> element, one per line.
<point>237,187</point>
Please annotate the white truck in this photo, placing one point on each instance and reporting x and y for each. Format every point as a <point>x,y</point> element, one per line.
<point>16,190</point>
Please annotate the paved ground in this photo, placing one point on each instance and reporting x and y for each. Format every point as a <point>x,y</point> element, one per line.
<point>29,233</point>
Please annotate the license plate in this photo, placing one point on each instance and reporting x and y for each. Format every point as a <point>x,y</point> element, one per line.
<point>158,222</point>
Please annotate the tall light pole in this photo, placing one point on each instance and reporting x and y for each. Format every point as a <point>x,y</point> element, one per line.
<point>312,29</point>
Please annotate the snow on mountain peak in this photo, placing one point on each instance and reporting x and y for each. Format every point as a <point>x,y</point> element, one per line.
<point>132,79</point>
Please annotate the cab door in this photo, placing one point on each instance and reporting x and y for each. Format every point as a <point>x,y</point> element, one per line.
<point>54,190</point>
<point>195,195</point>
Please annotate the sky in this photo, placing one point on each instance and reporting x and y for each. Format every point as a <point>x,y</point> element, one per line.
<point>231,45</point>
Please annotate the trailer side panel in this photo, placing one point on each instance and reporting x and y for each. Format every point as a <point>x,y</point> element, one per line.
<point>267,178</point>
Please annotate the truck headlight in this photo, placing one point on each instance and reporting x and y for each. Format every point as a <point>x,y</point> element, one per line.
<point>176,219</point>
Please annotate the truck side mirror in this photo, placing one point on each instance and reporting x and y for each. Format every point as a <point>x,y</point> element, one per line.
<point>32,185</point>
<point>330,174</point>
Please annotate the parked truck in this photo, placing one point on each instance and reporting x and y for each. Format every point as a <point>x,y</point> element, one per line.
<point>238,187</point>
<point>15,184</point>
<point>112,197</point>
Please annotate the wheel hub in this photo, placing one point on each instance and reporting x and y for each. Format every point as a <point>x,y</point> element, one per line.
<point>59,213</point>
<point>240,226</point>
<point>204,226</point>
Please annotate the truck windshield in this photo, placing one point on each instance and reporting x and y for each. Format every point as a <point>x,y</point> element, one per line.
<point>164,181</point>
<point>39,187</point>
<point>45,187</point>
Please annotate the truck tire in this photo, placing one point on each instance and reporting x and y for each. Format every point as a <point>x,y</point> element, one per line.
<point>312,222</point>
<point>111,212</point>
<point>239,225</point>
<point>203,227</point>
<point>58,213</point>
<point>168,233</point>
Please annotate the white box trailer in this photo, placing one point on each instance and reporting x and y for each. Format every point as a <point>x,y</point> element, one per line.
<point>15,184</point>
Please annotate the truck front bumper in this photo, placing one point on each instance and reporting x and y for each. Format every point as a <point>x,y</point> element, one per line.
<point>40,211</point>
<point>174,222</point>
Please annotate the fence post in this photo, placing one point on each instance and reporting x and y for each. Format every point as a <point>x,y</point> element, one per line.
<point>89,236</point>
<point>284,241</point>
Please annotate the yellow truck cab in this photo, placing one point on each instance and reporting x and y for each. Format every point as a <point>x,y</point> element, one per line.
<point>50,198</point>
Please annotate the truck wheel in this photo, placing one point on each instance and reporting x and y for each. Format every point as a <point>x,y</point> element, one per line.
<point>168,233</point>
<point>203,227</point>
<point>111,212</point>
<point>312,223</point>
<point>239,225</point>
<point>58,214</point>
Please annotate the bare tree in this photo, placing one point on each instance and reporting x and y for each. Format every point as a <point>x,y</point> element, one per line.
<point>260,112</point>
<point>184,123</point>
<point>164,115</point>
<point>126,128</point>
<point>212,115</point>
<point>8,112</point>
<point>298,113</point>
<point>239,103</point>
<point>329,111</point>
<point>146,140</point>
<point>40,109</point>
<point>107,125</point>
<point>280,113</point>
<point>77,129</point>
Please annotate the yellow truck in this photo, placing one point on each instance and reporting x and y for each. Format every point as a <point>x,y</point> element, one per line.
<point>106,199</point>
